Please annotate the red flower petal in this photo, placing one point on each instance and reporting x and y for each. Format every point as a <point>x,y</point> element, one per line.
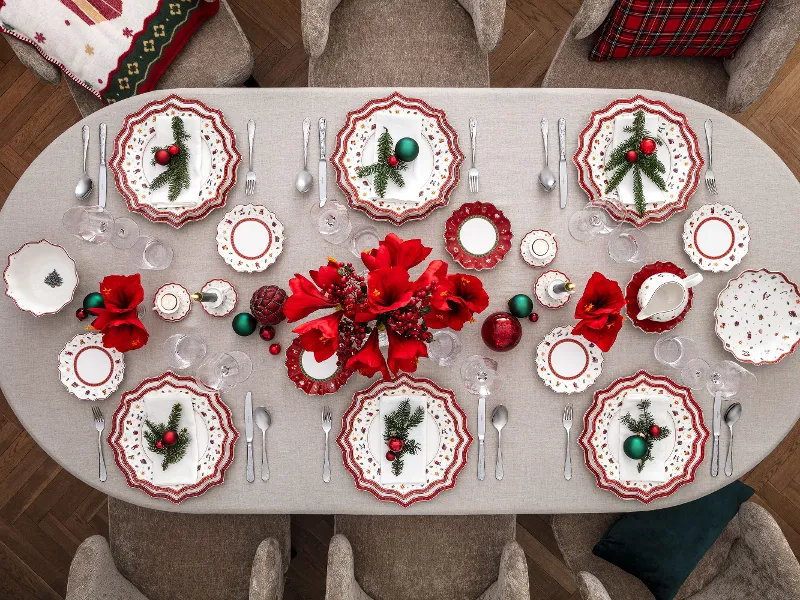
<point>321,336</point>
<point>369,360</point>
<point>404,353</point>
<point>304,300</point>
<point>388,289</point>
<point>127,336</point>
<point>602,296</point>
<point>406,254</point>
<point>122,293</point>
<point>605,337</point>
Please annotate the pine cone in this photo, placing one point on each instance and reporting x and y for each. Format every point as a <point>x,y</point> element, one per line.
<point>266,305</point>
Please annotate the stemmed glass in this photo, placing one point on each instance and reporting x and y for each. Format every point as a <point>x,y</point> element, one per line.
<point>222,372</point>
<point>730,379</point>
<point>184,351</point>
<point>124,233</point>
<point>362,239</point>
<point>589,222</point>
<point>444,347</point>
<point>628,244</point>
<point>332,221</point>
<point>479,375</point>
<point>91,224</point>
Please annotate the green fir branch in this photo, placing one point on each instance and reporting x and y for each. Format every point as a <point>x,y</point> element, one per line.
<point>381,171</point>
<point>397,425</point>
<point>177,173</point>
<point>641,426</point>
<point>385,146</point>
<point>155,433</point>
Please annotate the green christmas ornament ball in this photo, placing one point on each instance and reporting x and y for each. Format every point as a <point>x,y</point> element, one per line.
<point>520,306</point>
<point>406,149</point>
<point>93,300</point>
<point>634,447</point>
<point>244,324</point>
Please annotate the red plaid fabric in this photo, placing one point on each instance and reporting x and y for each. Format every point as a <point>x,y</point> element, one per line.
<point>675,28</point>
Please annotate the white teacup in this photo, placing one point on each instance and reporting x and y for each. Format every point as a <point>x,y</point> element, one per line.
<point>663,296</point>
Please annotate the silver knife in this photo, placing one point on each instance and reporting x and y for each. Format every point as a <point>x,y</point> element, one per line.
<point>481,436</point>
<point>248,434</point>
<point>562,160</point>
<point>101,183</point>
<point>716,427</point>
<point>323,166</point>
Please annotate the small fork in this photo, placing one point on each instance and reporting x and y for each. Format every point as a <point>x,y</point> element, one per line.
<point>711,182</point>
<point>472,176</point>
<point>326,427</point>
<point>567,421</point>
<point>100,424</point>
<point>250,181</point>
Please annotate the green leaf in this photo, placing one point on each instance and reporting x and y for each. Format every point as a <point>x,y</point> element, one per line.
<point>638,193</point>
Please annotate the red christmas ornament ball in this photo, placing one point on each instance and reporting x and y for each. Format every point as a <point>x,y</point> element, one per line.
<point>631,156</point>
<point>82,314</point>
<point>501,331</point>
<point>655,430</point>
<point>395,444</point>
<point>533,317</point>
<point>393,161</point>
<point>266,333</point>
<point>159,445</point>
<point>275,349</point>
<point>648,146</point>
<point>162,157</point>
<point>174,150</point>
<point>170,438</point>
<point>390,456</point>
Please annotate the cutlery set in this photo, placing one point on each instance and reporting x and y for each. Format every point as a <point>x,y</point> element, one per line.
<point>732,415</point>
<point>546,178</point>
<point>85,185</point>
<point>263,420</point>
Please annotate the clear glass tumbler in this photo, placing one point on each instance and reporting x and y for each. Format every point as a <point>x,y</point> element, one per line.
<point>184,351</point>
<point>675,350</point>
<point>444,347</point>
<point>150,253</point>
<point>628,244</point>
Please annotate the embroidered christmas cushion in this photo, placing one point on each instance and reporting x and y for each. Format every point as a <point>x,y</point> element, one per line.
<point>113,48</point>
<point>675,28</point>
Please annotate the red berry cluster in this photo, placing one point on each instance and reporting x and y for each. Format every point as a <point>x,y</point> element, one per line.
<point>350,292</point>
<point>408,321</point>
<point>351,338</point>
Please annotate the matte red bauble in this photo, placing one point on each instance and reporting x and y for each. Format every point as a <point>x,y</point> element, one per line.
<point>162,157</point>
<point>267,333</point>
<point>170,438</point>
<point>533,317</point>
<point>266,305</point>
<point>648,146</point>
<point>275,349</point>
<point>395,444</point>
<point>392,160</point>
<point>390,457</point>
<point>501,331</point>
<point>174,150</point>
<point>631,156</point>
<point>655,430</point>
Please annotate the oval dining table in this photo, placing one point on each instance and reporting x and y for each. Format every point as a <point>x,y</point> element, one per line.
<point>750,176</point>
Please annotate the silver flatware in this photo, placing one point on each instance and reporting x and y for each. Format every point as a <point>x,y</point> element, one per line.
<point>323,166</point>
<point>327,421</point>
<point>101,180</point>
<point>304,177</point>
<point>711,181</point>
<point>100,424</point>
<point>263,420</point>
<point>250,181</point>
<point>472,176</point>
<point>546,178</point>
<point>481,437</point>
<point>715,429</point>
<point>248,435</point>
<point>84,187</point>
<point>731,416</point>
<point>499,420</point>
<point>562,160</point>
<point>566,420</point>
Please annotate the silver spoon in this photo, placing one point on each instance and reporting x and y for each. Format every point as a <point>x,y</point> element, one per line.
<point>263,420</point>
<point>546,178</point>
<point>84,187</point>
<point>731,416</point>
<point>304,178</point>
<point>499,420</point>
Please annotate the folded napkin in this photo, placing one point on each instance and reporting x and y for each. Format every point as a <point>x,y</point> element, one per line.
<point>399,126</point>
<point>163,137</point>
<point>654,470</point>
<point>625,188</point>
<point>413,464</point>
<point>157,408</point>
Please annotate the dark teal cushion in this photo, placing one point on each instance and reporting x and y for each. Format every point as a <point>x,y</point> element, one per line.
<point>662,547</point>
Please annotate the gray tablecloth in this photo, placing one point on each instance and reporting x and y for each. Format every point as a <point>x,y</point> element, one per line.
<point>750,177</point>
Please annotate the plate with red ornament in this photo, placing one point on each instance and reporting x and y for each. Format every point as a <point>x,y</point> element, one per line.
<point>250,238</point>
<point>568,363</point>
<point>600,437</point>
<point>478,235</point>
<point>447,440</point>
<point>313,377</point>
<point>130,160</point>
<point>89,370</point>
<point>632,303</point>
<point>437,165</point>
<point>216,436</point>
<point>716,237</point>
<point>679,152</point>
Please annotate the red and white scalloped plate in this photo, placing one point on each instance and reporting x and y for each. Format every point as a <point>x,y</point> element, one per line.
<point>130,160</point>
<point>440,157</point>
<point>218,437</point>
<point>361,440</point>
<point>601,422</point>
<point>681,157</point>
<point>314,378</point>
<point>478,235</point>
<point>632,303</point>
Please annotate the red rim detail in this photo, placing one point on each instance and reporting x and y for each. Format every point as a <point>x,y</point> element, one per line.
<point>632,303</point>
<point>697,246</point>
<point>550,362</point>
<point>75,365</point>
<point>14,300</point>
<point>492,214</point>
<point>312,387</point>
<point>233,239</point>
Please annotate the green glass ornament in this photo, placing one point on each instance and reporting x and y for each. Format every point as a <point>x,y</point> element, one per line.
<point>520,306</point>
<point>244,324</point>
<point>94,300</point>
<point>406,149</point>
<point>635,447</point>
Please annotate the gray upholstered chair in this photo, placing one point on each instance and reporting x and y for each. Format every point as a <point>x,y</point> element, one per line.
<point>426,558</point>
<point>751,560</point>
<point>155,555</point>
<point>218,54</point>
<point>729,85</point>
<point>414,43</point>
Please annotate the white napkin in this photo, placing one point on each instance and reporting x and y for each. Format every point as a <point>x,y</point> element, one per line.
<point>413,464</point>
<point>625,188</point>
<point>654,469</point>
<point>399,126</point>
<point>163,137</point>
<point>157,407</point>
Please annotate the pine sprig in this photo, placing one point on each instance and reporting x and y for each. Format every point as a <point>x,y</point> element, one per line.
<point>177,172</point>
<point>397,425</point>
<point>155,433</point>
<point>641,426</point>
<point>382,171</point>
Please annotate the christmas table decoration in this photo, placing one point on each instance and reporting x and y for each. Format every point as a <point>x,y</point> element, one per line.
<point>315,378</point>
<point>390,162</point>
<point>520,305</point>
<point>118,319</point>
<point>217,297</point>
<point>632,292</point>
<point>538,248</point>
<point>250,238</point>
<point>646,433</point>
<point>166,440</point>
<point>88,370</point>
<point>244,324</point>
<point>172,302</point>
<point>553,289</point>
<point>568,363</point>
<point>598,311</point>
<point>41,278</point>
<point>396,428</point>
<point>266,305</point>
<point>501,331</point>
<point>716,237</point>
<point>478,235</point>
<point>176,158</point>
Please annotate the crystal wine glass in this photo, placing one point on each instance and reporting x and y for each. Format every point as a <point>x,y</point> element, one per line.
<point>362,239</point>
<point>125,233</point>
<point>589,222</point>
<point>480,375</point>
<point>694,373</point>
<point>91,224</point>
<point>730,379</point>
<point>444,347</point>
<point>332,222</point>
<point>184,351</point>
<point>675,350</point>
<point>628,244</point>
<point>222,372</point>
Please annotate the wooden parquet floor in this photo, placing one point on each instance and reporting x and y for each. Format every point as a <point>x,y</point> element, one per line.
<point>45,513</point>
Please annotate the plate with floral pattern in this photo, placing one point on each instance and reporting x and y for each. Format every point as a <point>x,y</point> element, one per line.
<point>757,317</point>
<point>478,235</point>
<point>445,461</point>
<point>314,378</point>
<point>250,238</point>
<point>568,363</point>
<point>89,370</point>
<point>716,237</point>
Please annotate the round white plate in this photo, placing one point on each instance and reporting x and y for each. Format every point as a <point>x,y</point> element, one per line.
<point>478,236</point>
<point>568,363</point>
<point>542,286</point>
<point>230,297</point>
<point>40,278</point>
<point>538,248</point>
<point>250,238</point>
<point>716,237</point>
<point>172,302</point>
<point>88,370</point>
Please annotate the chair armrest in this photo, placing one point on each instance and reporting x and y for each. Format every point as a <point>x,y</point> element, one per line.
<point>590,17</point>
<point>488,17</point>
<point>266,576</point>
<point>591,588</point>
<point>315,16</point>
<point>769,548</point>
<point>30,57</point>
<point>762,53</point>
<point>93,574</point>
<point>512,580</point>
<point>341,580</point>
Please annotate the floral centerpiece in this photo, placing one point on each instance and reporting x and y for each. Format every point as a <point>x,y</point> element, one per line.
<point>598,311</point>
<point>118,318</point>
<point>386,303</point>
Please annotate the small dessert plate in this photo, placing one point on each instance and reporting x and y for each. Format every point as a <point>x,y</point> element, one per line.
<point>227,298</point>
<point>478,235</point>
<point>172,302</point>
<point>314,378</point>
<point>88,370</point>
<point>568,363</point>
<point>541,289</point>
<point>40,278</point>
<point>538,248</point>
<point>250,238</point>
<point>716,237</point>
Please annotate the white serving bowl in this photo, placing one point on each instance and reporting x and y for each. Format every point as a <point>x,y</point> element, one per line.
<point>41,278</point>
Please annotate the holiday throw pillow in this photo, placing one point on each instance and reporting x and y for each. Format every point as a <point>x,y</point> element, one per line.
<point>113,48</point>
<point>675,28</point>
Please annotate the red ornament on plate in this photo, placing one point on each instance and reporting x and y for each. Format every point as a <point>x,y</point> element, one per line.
<point>159,445</point>
<point>395,444</point>
<point>275,349</point>
<point>631,155</point>
<point>648,146</point>
<point>162,157</point>
<point>655,430</point>
<point>392,160</point>
<point>170,438</point>
<point>174,150</point>
<point>266,333</point>
<point>390,456</point>
<point>501,331</point>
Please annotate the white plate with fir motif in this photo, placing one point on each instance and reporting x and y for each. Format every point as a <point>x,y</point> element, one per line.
<point>250,238</point>
<point>716,237</point>
<point>568,363</point>
<point>88,370</point>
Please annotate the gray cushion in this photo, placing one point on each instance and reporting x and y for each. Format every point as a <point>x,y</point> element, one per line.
<point>93,576</point>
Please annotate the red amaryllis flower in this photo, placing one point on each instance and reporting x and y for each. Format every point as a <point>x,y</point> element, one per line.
<point>436,271</point>
<point>321,336</point>
<point>598,311</point>
<point>121,293</point>
<point>455,300</point>
<point>118,320</point>
<point>388,289</point>
<point>306,297</point>
<point>393,251</point>
<point>605,336</point>
<point>404,353</point>
<point>369,360</point>
<point>125,335</point>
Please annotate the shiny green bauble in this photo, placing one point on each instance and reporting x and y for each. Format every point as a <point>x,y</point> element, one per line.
<point>244,324</point>
<point>406,149</point>
<point>93,300</point>
<point>520,306</point>
<point>635,447</point>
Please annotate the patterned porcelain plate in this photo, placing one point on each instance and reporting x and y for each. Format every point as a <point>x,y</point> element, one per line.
<point>441,157</point>
<point>445,460</point>
<point>215,433</point>
<point>680,155</point>
<point>229,297</point>
<point>314,378</point>
<point>632,303</point>
<point>542,286</point>
<point>478,235</point>
<point>130,159</point>
<point>250,238</point>
<point>88,370</point>
<point>568,363</point>
<point>716,237</point>
<point>757,317</point>
<point>538,248</point>
<point>602,419</point>
<point>41,278</point>
<point>172,302</point>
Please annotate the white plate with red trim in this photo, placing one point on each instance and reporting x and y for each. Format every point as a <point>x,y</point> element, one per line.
<point>88,370</point>
<point>568,363</point>
<point>538,248</point>
<point>716,237</point>
<point>250,238</point>
<point>40,278</point>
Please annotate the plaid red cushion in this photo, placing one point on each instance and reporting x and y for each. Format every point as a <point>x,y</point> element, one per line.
<point>675,28</point>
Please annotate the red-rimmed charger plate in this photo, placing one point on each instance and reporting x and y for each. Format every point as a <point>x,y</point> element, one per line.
<point>632,304</point>
<point>314,378</point>
<point>478,235</point>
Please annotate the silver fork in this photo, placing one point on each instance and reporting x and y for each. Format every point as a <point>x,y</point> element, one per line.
<point>567,421</point>
<point>100,424</point>
<point>326,427</point>
<point>472,176</point>
<point>250,182</point>
<point>711,182</point>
